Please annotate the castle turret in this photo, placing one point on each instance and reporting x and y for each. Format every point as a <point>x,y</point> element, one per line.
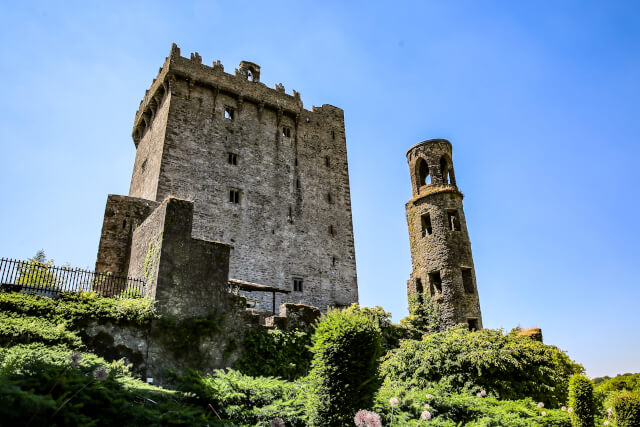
<point>440,245</point>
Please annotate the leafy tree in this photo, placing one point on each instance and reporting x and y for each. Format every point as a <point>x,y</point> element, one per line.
<point>626,407</point>
<point>581,401</point>
<point>37,272</point>
<point>424,315</point>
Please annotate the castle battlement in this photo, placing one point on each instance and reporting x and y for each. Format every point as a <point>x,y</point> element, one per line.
<point>244,85</point>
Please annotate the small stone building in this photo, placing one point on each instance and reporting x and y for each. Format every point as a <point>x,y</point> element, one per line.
<point>440,245</point>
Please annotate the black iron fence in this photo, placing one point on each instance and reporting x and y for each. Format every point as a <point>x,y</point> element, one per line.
<point>43,278</point>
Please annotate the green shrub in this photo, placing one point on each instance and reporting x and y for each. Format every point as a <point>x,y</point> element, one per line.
<point>17,329</point>
<point>467,409</point>
<point>391,333</point>
<point>275,353</point>
<point>247,400</point>
<point>344,369</point>
<point>626,409</point>
<point>503,365</point>
<point>628,382</point>
<point>581,401</point>
<point>424,316</point>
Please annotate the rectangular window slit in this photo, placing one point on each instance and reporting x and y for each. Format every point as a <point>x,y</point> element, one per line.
<point>467,280</point>
<point>426,225</point>
<point>286,132</point>
<point>435,282</point>
<point>232,159</point>
<point>454,222</point>
<point>234,196</point>
<point>297,285</point>
<point>229,113</point>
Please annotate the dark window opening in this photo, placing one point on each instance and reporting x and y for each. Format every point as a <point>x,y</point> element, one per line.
<point>297,183</point>
<point>419,288</point>
<point>333,261</point>
<point>286,132</point>
<point>452,219</point>
<point>473,324</point>
<point>144,165</point>
<point>435,281</point>
<point>232,159</point>
<point>333,134</point>
<point>426,225</point>
<point>331,231</point>
<point>229,113</point>
<point>296,161</point>
<point>467,280</point>
<point>249,75</point>
<point>329,198</point>
<point>423,173</point>
<point>327,161</point>
<point>290,216</point>
<point>444,170</point>
<point>234,196</point>
<point>124,224</point>
<point>297,285</point>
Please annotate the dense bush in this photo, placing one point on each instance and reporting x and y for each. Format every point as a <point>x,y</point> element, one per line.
<point>39,386</point>
<point>78,307</point>
<point>581,401</point>
<point>16,329</point>
<point>628,382</point>
<point>344,370</point>
<point>626,409</point>
<point>391,333</point>
<point>453,409</point>
<point>275,353</point>
<point>424,316</point>
<point>247,400</point>
<point>503,365</point>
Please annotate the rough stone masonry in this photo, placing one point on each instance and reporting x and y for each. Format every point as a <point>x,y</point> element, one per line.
<point>266,176</point>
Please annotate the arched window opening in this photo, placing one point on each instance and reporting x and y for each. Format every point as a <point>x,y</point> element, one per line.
<point>444,170</point>
<point>423,173</point>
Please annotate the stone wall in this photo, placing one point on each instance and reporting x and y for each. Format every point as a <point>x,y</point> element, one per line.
<point>438,237</point>
<point>293,219</point>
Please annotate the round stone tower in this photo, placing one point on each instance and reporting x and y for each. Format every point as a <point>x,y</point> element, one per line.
<point>440,246</point>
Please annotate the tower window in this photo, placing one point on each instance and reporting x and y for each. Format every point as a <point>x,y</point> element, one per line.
<point>444,170</point>
<point>435,282</point>
<point>229,113</point>
<point>331,231</point>
<point>327,161</point>
<point>467,280</point>
<point>329,198</point>
<point>452,219</point>
<point>234,196</point>
<point>333,134</point>
<point>473,324</point>
<point>333,261</point>
<point>144,166</point>
<point>423,172</point>
<point>425,219</point>
<point>297,183</point>
<point>232,159</point>
<point>296,161</point>
<point>297,285</point>
<point>286,132</point>
<point>419,288</point>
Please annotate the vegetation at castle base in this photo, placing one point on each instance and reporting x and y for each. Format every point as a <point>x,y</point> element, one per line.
<point>423,318</point>
<point>41,386</point>
<point>626,409</point>
<point>581,401</point>
<point>76,308</point>
<point>344,370</point>
<point>615,399</point>
<point>275,353</point>
<point>16,329</point>
<point>504,365</point>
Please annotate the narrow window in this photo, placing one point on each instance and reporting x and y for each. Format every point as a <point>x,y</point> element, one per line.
<point>124,224</point>
<point>296,161</point>
<point>333,261</point>
<point>234,196</point>
<point>435,281</point>
<point>473,324</point>
<point>297,183</point>
<point>327,161</point>
<point>467,280</point>
<point>290,216</point>
<point>286,132</point>
<point>329,198</point>
<point>452,219</point>
<point>419,288</point>
<point>426,225</point>
<point>144,165</point>
<point>331,231</point>
<point>423,172</point>
<point>297,285</point>
<point>249,75</point>
<point>333,134</point>
<point>444,170</point>
<point>232,159</point>
<point>229,113</point>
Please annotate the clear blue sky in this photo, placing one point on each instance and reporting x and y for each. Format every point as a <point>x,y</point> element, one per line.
<point>541,101</point>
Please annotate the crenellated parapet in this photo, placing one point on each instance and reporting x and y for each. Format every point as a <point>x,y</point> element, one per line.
<point>244,85</point>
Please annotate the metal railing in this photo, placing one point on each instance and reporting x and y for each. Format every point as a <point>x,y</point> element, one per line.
<point>45,279</point>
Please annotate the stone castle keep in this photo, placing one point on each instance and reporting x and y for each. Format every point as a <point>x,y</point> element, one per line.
<point>266,178</point>
<point>440,245</point>
<point>236,185</point>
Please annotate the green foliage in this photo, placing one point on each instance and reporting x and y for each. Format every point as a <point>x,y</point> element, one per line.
<point>17,329</point>
<point>503,365</point>
<point>424,315</point>
<point>344,372</point>
<point>247,400</point>
<point>77,308</point>
<point>626,409</point>
<point>391,333</point>
<point>581,401</point>
<point>275,353</point>
<point>453,409</point>
<point>628,382</point>
<point>36,272</point>
<point>39,386</point>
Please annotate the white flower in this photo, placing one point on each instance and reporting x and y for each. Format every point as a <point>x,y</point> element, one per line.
<point>427,406</point>
<point>101,374</point>
<point>610,411</point>
<point>75,358</point>
<point>478,394</point>
<point>428,396</point>
<point>564,408</point>
<point>540,405</point>
<point>543,413</point>
<point>606,423</point>
<point>393,401</point>
<point>277,422</point>
<point>366,418</point>
<point>570,410</point>
<point>426,415</point>
<point>483,393</point>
